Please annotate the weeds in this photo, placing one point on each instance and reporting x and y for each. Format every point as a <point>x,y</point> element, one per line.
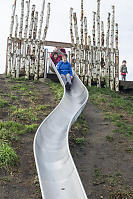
<point>78,140</point>
<point>3,103</point>
<point>10,130</point>
<point>57,89</point>
<point>8,156</point>
<point>25,114</point>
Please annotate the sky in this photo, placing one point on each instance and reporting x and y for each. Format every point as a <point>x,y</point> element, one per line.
<point>59,23</point>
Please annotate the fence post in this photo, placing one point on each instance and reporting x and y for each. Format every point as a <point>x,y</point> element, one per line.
<point>112,50</point>
<point>98,46</point>
<point>116,60</point>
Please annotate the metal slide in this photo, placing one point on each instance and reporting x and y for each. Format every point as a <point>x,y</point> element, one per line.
<point>57,172</point>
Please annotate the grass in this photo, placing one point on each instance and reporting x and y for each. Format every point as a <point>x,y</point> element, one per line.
<point>57,89</point>
<point>117,107</point>
<point>79,140</point>
<point>109,138</point>
<point>8,156</point>
<point>25,114</point>
<point>43,107</point>
<point>3,103</point>
<point>10,130</point>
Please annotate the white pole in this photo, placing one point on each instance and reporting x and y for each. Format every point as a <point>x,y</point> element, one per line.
<point>77,67</point>
<point>27,75</point>
<point>20,40</point>
<point>112,49</point>
<point>25,36</point>
<point>107,51</point>
<point>116,60</point>
<point>13,73</point>
<point>10,39</point>
<point>94,72</point>
<point>98,46</point>
<point>41,69</point>
<point>72,39</point>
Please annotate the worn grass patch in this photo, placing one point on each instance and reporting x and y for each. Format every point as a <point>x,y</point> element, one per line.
<point>118,109</point>
<point>10,130</point>
<point>57,89</point>
<point>3,103</point>
<point>25,114</point>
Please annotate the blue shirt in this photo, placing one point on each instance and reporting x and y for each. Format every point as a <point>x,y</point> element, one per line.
<point>64,68</point>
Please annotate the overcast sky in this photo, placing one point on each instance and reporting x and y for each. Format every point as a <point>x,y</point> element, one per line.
<point>59,23</point>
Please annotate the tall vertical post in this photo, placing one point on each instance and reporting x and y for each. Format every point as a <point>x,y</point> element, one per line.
<point>82,42</point>
<point>47,23</point>
<point>77,44</point>
<point>27,74</point>
<point>25,36</point>
<point>20,40</point>
<point>72,39</point>
<point>107,51</point>
<point>85,70</point>
<point>41,20</point>
<point>98,45</point>
<point>102,51</point>
<point>13,72</point>
<point>94,71</point>
<point>41,69</point>
<point>34,45</point>
<point>112,49</point>
<point>90,61</point>
<point>116,59</point>
<point>38,50</point>
<point>8,70</point>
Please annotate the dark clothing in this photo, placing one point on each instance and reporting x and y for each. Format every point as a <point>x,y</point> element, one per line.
<point>123,72</point>
<point>124,69</point>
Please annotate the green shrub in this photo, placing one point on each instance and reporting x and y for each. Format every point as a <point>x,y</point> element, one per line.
<point>8,156</point>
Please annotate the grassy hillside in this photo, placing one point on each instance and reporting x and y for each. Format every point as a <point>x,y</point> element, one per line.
<point>24,105</point>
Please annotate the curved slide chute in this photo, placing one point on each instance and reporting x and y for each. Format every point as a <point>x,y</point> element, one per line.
<point>57,172</point>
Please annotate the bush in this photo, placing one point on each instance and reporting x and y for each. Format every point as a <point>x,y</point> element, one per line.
<point>8,156</point>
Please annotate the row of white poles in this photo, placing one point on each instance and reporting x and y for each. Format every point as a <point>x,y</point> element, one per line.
<point>25,49</point>
<point>94,60</point>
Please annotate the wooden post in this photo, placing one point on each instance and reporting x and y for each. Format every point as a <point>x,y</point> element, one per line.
<point>98,46</point>
<point>85,69</point>
<point>116,60</point>
<point>41,20</point>
<point>102,52</point>
<point>34,45</point>
<point>13,72</point>
<point>112,50</point>
<point>77,67</point>
<point>41,70</point>
<point>82,65</point>
<point>25,36</point>
<point>72,39</point>
<point>47,23</point>
<point>94,72</point>
<point>90,61</point>
<point>10,40</point>
<point>20,40</point>
<point>107,51</point>
<point>27,75</point>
